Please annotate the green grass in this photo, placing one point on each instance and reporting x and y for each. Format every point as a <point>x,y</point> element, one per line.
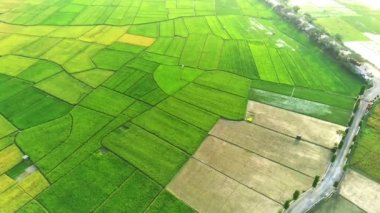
<point>31,107</point>
<point>134,195</point>
<point>366,157</point>
<point>32,207</point>
<point>109,59</point>
<point>107,101</point>
<point>80,189</point>
<point>40,140</point>
<point>177,132</point>
<point>144,150</point>
<point>221,103</point>
<point>225,82</point>
<point>40,71</point>
<point>172,78</point>
<point>71,88</point>
<point>166,202</point>
<point>85,124</point>
<point>57,84</point>
<point>336,25</point>
<point>6,128</point>
<point>189,113</point>
<point>237,58</point>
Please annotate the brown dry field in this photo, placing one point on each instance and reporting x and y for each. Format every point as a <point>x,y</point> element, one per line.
<point>362,191</point>
<point>207,190</point>
<point>137,40</point>
<point>293,124</point>
<point>302,156</point>
<point>262,175</point>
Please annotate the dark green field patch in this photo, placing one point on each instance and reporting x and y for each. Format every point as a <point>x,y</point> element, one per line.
<point>237,58</point>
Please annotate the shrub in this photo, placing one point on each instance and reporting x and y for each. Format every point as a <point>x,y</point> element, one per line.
<point>296,194</point>
<point>316,180</point>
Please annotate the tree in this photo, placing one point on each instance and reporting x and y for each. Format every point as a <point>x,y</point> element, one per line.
<point>362,90</point>
<point>333,158</point>
<point>336,183</point>
<point>339,38</point>
<point>341,144</point>
<point>296,194</point>
<point>286,204</point>
<point>316,180</point>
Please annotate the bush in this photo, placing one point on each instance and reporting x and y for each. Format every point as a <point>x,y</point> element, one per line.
<point>286,204</point>
<point>336,183</point>
<point>316,180</point>
<point>296,194</point>
<point>341,143</point>
<point>333,158</point>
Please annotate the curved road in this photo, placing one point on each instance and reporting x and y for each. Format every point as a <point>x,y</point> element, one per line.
<point>335,171</point>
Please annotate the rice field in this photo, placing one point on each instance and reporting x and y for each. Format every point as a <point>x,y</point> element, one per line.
<point>110,99</point>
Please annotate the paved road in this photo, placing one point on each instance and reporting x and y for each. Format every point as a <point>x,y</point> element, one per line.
<point>335,171</point>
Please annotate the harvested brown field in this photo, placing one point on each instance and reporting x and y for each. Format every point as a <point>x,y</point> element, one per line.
<point>362,191</point>
<point>302,156</point>
<point>137,40</point>
<point>294,124</point>
<point>207,190</point>
<point>265,176</point>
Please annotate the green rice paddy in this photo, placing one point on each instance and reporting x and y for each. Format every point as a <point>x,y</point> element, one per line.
<point>109,118</point>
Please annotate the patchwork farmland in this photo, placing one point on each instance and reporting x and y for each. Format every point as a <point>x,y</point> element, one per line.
<point>109,106</point>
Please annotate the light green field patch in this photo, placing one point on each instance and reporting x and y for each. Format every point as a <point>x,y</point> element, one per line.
<point>6,128</point>
<point>111,59</point>
<point>226,82</point>
<point>221,103</point>
<point>93,78</point>
<point>6,182</point>
<point>177,132</point>
<point>70,31</point>
<point>144,150</point>
<point>82,61</point>
<point>13,65</point>
<point>336,25</point>
<point>105,35</point>
<point>32,207</point>
<point>14,42</point>
<point>38,48</point>
<point>189,113</point>
<point>107,101</point>
<point>64,51</point>
<point>39,71</point>
<point>42,139</point>
<point>13,198</point>
<point>172,78</point>
<point>211,53</point>
<point>34,184</point>
<point>9,157</point>
<point>65,87</point>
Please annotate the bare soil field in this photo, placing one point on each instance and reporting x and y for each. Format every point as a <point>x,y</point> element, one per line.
<point>302,156</point>
<point>265,176</point>
<point>294,124</point>
<point>362,191</point>
<point>207,190</point>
